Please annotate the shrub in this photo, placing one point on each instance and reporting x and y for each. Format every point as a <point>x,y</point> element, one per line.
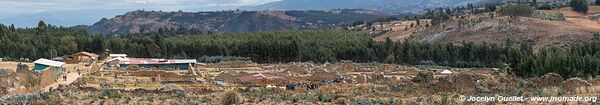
<point>553,17</point>
<point>549,6</point>
<point>110,94</point>
<point>596,36</point>
<point>517,10</point>
<point>325,97</point>
<point>299,97</point>
<point>465,64</point>
<point>205,100</point>
<point>231,98</point>
<point>427,62</point>
<point>342,101</point>
<point>215,59</point>
<point>423,77</point>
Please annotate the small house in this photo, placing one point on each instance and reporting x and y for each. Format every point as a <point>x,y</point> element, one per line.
<point>44,64</point>
<point>83,57</point>
<point>48,71</point>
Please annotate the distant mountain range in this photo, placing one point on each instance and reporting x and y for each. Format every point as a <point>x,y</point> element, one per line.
<point>61,18</point>
<point>382,5</point>
<point>284,14</point>
<point>231,21</point>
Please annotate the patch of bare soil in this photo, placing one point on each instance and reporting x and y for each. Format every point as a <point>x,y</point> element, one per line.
<point>13,65</point>
<point>536,32</point>
<point>401,29</point>
<point>576,28</point>
<point>581,19</point>
<point>148,73</point>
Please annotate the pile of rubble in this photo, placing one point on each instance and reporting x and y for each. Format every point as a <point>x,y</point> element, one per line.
<point>464,83</point>
<point>574,83</point>
<point>322,75</point>
<point>229,77</point>
<point>233,64</point>
<point>548,80</point>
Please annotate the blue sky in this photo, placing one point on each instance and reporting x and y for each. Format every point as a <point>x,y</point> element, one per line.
<point>25,7</point>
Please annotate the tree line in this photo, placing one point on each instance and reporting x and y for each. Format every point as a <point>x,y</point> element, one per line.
<point>47,41</point>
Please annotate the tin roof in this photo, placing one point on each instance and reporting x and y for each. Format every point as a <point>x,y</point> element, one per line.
<point>156,61</point>
<point>446,72</point>
<point>117,55</point>
<point>87,54</point>
<point>49,62</point>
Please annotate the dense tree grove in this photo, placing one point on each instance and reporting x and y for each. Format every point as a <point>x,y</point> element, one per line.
<point>46,41</point>
<point>517,10</point>
<point>579,5</point>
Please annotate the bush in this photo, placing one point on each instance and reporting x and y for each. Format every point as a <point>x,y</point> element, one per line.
<point>553,17</point>
<point>517,10</point>
<point>215,59</point>
<point>342,101</point>
<point>110,94</point>
<point>579,5</point>
<point>231,98</point>
<point>423,77</point>
<point>205,100</point>
<point>325,97</point>
<point>549,6</point>
<point>427,62</point>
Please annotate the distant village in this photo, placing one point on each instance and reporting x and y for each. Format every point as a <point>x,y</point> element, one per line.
<point>118,70</point>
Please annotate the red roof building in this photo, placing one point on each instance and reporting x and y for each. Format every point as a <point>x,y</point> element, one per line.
<point>178,64</point>
<point>138,61</point>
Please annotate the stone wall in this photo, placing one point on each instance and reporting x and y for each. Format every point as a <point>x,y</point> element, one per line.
<point>48,76</point>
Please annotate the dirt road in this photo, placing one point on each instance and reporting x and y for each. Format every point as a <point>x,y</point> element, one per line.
<point>579,19</point>
<point>399,31</point>
<point>71,77</point>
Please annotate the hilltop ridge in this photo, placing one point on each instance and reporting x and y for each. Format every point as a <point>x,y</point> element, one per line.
<point>230,21</point>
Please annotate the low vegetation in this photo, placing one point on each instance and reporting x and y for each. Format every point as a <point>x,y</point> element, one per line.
<point>310,45</point>
<point>549,6</point>
<point>522,10</point>
<point>231,98</point>
<point>553,17</point>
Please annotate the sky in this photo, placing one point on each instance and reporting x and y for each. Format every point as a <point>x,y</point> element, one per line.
<point>26,7</point>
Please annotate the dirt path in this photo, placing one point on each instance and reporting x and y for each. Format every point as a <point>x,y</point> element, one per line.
<point>436,37</point>
<point>72,75</point>
<point>399,31</point>
<point>579,19</point>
